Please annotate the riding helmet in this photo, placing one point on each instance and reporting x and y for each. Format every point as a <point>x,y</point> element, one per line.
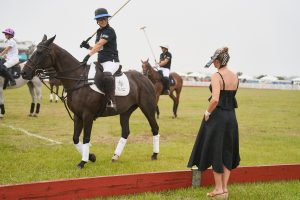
<point>9,31</point>
<point>100,13</point>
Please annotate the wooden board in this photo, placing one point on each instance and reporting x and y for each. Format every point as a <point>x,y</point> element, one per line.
<point>138,183</point>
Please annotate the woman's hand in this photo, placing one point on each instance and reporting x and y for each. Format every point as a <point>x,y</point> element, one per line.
<point>206,115</point>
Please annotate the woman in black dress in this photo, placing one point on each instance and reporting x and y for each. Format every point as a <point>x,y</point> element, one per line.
<point>217,143</point>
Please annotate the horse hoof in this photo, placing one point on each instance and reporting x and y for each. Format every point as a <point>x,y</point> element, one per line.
<point>81,164</point>
<point>30,115</point>
<point>115,158</point>
<point>154,156</point>
<point>92,157</point>
<point>50,101</point>
<point>35,115</point>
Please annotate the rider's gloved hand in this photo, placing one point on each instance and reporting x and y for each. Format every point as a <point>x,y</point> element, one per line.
<point>85,44</point>
<point>86,58</point>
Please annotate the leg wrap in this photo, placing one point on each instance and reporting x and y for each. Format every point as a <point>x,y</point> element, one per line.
<point>156,143</point>
<point>32,108</point>
<point>79,147</point>
<point>2,109</point>
<point>38,105</point>
<point>120,146</point>
<point>85,152</point>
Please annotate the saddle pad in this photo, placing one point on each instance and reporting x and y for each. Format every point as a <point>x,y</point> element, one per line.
<point>121,83</point>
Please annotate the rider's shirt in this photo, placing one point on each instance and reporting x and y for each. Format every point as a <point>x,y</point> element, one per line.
<point>164,56</point>
<point>12,54</point>
<point>109,51</point>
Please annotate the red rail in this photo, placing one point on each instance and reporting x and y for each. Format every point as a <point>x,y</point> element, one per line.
<point>138,183</point>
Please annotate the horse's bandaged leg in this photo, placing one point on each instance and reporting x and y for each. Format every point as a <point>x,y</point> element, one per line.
<point>120,146</point>
<point>156,143</point>
<point>85,152</point>
<point>79,147</point>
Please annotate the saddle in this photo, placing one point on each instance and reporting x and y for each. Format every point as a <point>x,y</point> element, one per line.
<point>172,80</point>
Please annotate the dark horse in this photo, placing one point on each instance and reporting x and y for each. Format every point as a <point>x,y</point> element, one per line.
<point>156,79</point>
<point>86,104</point>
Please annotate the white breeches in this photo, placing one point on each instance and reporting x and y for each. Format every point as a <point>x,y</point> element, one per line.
<point>11,62</point>
<point>110,66</point>
<point>165,71</point>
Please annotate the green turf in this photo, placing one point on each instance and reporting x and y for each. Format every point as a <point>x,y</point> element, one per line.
<point>269,124</point>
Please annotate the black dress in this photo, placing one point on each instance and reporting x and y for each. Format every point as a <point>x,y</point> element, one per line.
<point>217,143</point>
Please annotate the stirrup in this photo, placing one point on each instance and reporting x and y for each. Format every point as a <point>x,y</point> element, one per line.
<point>12,83</point>
<point>112,105</point>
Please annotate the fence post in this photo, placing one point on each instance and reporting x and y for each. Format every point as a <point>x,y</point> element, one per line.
<point>196,177</point>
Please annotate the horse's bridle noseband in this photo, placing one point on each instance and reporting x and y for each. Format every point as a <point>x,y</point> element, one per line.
<point>36,67</point>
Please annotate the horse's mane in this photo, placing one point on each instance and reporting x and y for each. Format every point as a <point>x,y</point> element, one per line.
<point>64,52</point>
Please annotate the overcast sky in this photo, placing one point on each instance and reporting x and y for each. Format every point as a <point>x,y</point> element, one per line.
<point>263,36</point>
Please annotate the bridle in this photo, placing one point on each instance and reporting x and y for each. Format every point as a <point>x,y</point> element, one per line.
<point>148,72</point>
<point>40,72</point>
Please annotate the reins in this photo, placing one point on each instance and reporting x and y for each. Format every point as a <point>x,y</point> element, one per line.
<point>60,75</point>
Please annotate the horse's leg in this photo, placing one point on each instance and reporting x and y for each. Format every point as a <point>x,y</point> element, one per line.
<point>37,97</point>
<point>87,124</point>
<point>2,109</point>
<point>157,108</point>
<point>51,92</point>
<point>147,109</point>
<point>124,121</point>
<point>31,91</point>
<point>56,97</point>
<point>175,103</point>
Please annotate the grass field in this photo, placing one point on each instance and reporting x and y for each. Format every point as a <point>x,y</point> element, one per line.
<point>269,124</point>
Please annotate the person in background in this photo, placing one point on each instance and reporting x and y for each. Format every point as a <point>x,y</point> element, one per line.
<point>106,47</point>
<point>217,143</point>
<point>164,66</point>
<point>10,55</point>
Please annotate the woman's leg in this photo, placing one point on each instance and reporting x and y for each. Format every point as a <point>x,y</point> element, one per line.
<point>218,185</point>
<point>225,178</point>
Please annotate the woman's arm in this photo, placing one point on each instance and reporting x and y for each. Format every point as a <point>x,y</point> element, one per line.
<point>5,50</point>
<point>97,46</point>
<point>215,83</point>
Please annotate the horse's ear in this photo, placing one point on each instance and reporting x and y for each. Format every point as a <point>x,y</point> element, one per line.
<point>142,61</point>
<point>48,42</point>
<point>44,38</point>
<point>147,60</point>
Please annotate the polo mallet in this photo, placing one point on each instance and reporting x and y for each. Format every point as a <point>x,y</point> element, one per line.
<point>143,28</point>
<point>88,39</point>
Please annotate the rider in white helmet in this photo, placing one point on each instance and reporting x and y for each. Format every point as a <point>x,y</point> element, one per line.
<point>10,55</point>
<point>165,66</point>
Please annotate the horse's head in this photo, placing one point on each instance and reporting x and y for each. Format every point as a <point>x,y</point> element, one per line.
<point>146,67</point>
<point>40,60</point>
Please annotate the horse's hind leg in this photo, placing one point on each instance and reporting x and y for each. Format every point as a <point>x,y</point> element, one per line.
<point>124,121</point>
<point>148,111</point>
<point>175,102</point>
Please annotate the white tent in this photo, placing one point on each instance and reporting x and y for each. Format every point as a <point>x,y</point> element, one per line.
<point>197,75</point>
<point>268,78</point>
<point>246,77</point>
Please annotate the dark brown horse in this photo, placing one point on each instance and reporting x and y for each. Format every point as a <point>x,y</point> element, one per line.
<point>54,82</point>
<point>86,104</point>
<point>156,79</point>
